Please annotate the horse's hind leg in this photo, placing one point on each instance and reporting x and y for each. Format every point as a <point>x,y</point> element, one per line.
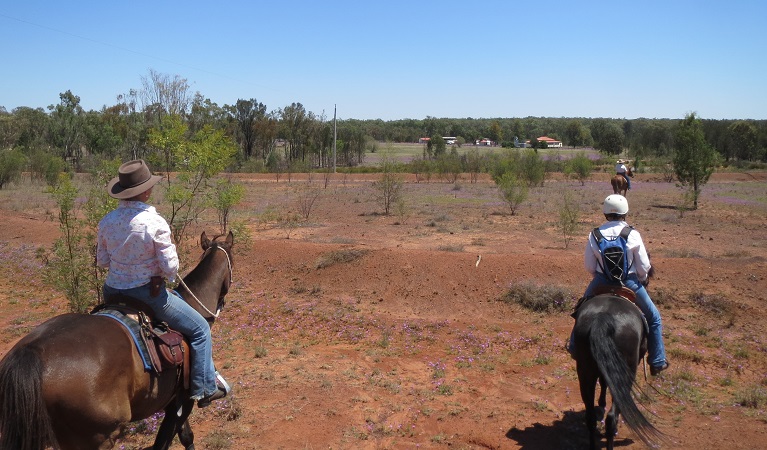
<point>600,410</point>
<point>588,386</point>
<point>611,426</point>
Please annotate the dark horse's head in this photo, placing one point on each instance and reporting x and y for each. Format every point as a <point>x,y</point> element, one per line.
<point>208,283</point>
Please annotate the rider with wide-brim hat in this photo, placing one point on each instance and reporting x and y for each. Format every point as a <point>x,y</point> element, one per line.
<point>134,243</point>
<point>622,170</point>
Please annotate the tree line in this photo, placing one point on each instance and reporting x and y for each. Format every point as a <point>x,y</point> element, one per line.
<point>290,138</point>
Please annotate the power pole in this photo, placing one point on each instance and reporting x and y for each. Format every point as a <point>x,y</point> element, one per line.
<point>334,138</point>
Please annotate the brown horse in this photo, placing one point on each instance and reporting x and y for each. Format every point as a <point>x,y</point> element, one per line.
<point>75,380</point>
<point>619,183</point>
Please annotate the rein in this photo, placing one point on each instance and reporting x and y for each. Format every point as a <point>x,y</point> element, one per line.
<point>218,311</point>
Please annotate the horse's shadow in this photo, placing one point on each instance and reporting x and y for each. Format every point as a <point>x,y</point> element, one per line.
<point>568,433</point>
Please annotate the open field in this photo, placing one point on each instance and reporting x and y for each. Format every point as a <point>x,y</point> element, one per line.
<point>406,152</point>
<point>355,330</point>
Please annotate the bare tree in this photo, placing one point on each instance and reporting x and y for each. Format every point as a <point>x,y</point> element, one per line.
<point>165,94</point>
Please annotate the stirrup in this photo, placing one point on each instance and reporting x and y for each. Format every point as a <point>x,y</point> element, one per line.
<point>221,382</point>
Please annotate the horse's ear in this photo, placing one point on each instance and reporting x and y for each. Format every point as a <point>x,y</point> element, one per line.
<point>230,239</point>
<point>204,241</point>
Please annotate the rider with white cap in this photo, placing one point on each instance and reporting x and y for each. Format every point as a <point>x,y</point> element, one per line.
<point>615,209</point>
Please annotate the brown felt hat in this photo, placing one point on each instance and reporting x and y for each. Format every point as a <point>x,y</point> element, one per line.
<point>133,179</point>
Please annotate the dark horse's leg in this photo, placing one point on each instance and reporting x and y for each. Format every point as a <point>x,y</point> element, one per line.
<point>175,422</point>
<point>611,426</point>
<point>588,384</point>
<point>600,410</point>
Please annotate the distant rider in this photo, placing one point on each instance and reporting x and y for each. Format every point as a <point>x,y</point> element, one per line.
<point>620,169</point>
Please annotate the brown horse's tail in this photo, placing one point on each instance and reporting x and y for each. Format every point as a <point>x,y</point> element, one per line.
<point>24,420</point>
<point>616,185</point>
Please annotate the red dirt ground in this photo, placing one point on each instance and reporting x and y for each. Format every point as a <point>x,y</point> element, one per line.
<point>410,345</point>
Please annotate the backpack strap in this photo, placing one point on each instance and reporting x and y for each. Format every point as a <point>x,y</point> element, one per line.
<point>598,235</point>
<point>625,232</point>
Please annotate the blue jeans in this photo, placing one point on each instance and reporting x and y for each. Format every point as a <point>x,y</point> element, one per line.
<point>656,352</point>
<point>628,179</point>
<point>173,310</point>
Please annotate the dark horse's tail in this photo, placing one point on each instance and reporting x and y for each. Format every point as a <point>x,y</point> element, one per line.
<point>24,420</point>
<point>620,380</point>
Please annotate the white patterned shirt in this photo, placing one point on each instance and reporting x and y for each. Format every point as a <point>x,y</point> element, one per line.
<point>134,243</point>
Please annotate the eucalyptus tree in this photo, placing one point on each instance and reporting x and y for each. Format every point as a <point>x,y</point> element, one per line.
<point>495,131</point>
<point>67,127</point>
<point>205,112</point>
<point>246,114</point>
<point>438,146</point>
<point>294,121</point>
<point>27,128</point>
<point>99,136</point>
<point>743,138</point>
<point>266,133</point>
<point>611,139</point>
<point>8,130</point>
<point>129,123</point>
<point>694,158</point>
<point>574,133</point>
<point>163,94</point>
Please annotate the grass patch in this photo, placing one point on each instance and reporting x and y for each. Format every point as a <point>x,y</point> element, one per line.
<point>540,298</point>
<point>681,354</point>
<point>663,297</point>
<point>712,303</point>
<point>218,440</point>
<point>683,253</point>
<point>338,257</point>
<point>752,397</point>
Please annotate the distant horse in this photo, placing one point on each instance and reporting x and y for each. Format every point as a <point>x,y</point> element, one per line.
<point>610,340</point>
<point>619,183</point>
<point>75,380</point>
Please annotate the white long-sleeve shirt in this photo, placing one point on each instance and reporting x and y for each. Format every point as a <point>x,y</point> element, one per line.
<point>620,168</point>
<point>134,243</point>
<point>637,258</point>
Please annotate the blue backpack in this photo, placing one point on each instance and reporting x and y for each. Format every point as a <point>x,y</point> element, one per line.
<point>614,264</point>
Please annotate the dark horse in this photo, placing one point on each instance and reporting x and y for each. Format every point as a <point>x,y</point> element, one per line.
<point>75,380</point>
<point>619,183</point>
<point>610,340</point>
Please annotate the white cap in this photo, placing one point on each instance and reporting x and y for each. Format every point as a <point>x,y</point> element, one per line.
<point>615,204</point>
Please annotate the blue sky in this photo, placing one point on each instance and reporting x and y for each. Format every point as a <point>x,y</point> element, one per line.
<point>400,59</point>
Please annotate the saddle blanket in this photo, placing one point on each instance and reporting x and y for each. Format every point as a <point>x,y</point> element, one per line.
<point>134,329</point>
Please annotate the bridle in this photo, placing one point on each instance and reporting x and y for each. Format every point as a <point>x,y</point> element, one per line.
<point>218,307</point>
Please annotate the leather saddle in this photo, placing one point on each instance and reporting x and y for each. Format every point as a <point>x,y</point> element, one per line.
<point>620,291</point>
<point>166,348</point>
<point>612,289</point>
